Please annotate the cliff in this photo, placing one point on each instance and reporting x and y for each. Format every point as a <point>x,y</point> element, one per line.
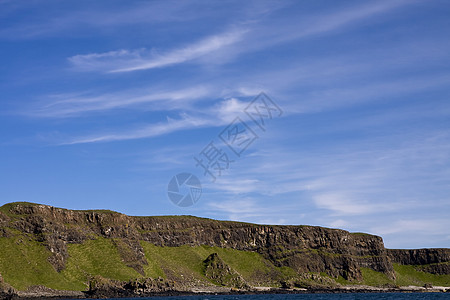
<point>76,246</point>
<point>434,261</point>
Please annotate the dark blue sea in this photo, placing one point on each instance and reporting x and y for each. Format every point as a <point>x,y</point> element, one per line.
<point>352,296</point>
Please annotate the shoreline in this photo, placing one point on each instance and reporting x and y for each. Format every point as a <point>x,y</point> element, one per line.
<point>56,294</point>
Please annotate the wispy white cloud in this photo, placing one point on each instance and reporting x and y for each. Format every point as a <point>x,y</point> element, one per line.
<point>126,61</point>
<point>106,61</point>
<point>228,109</point>
<point>184,123</point>
<point>210,116</point>
<point>341,203</point>
<point>188,53</point>
<point>235,187</point>
<point>63,106</point>
<point>374,182</point>
<point>55,21</point>
<point>423,225</point>
<point>335,21</point>
<point>245,205</point>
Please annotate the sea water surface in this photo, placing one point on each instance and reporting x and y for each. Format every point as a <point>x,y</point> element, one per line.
<point>350,296</point>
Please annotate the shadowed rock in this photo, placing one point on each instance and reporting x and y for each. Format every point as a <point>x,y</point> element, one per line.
<point>220,273</point>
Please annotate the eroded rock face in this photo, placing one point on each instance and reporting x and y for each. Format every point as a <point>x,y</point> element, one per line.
<point>6,291</point>
<point>303,248</point>
<point>438,269</point>
<point>100,287</point>
<point>435,261</point>
<point>419,256</point>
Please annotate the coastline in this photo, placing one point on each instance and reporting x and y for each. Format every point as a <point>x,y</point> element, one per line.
<point>41,293</point>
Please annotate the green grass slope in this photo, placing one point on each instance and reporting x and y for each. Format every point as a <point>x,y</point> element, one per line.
<point>186,262</point>
<point>24,263</point>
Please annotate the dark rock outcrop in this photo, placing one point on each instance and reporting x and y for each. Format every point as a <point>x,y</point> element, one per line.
<point>419,256</point>
<point>6,291</point>
<point>438,269</point>
<point>435,261</point>
<point>220,273</point>
<point>100,287</point>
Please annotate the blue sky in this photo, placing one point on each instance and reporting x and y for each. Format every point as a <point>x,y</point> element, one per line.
<point>101,103</point>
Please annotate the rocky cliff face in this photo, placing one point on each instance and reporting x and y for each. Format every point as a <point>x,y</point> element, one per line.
<point>419,256</point>
<point>302,248</point>
<point>435,261</point>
